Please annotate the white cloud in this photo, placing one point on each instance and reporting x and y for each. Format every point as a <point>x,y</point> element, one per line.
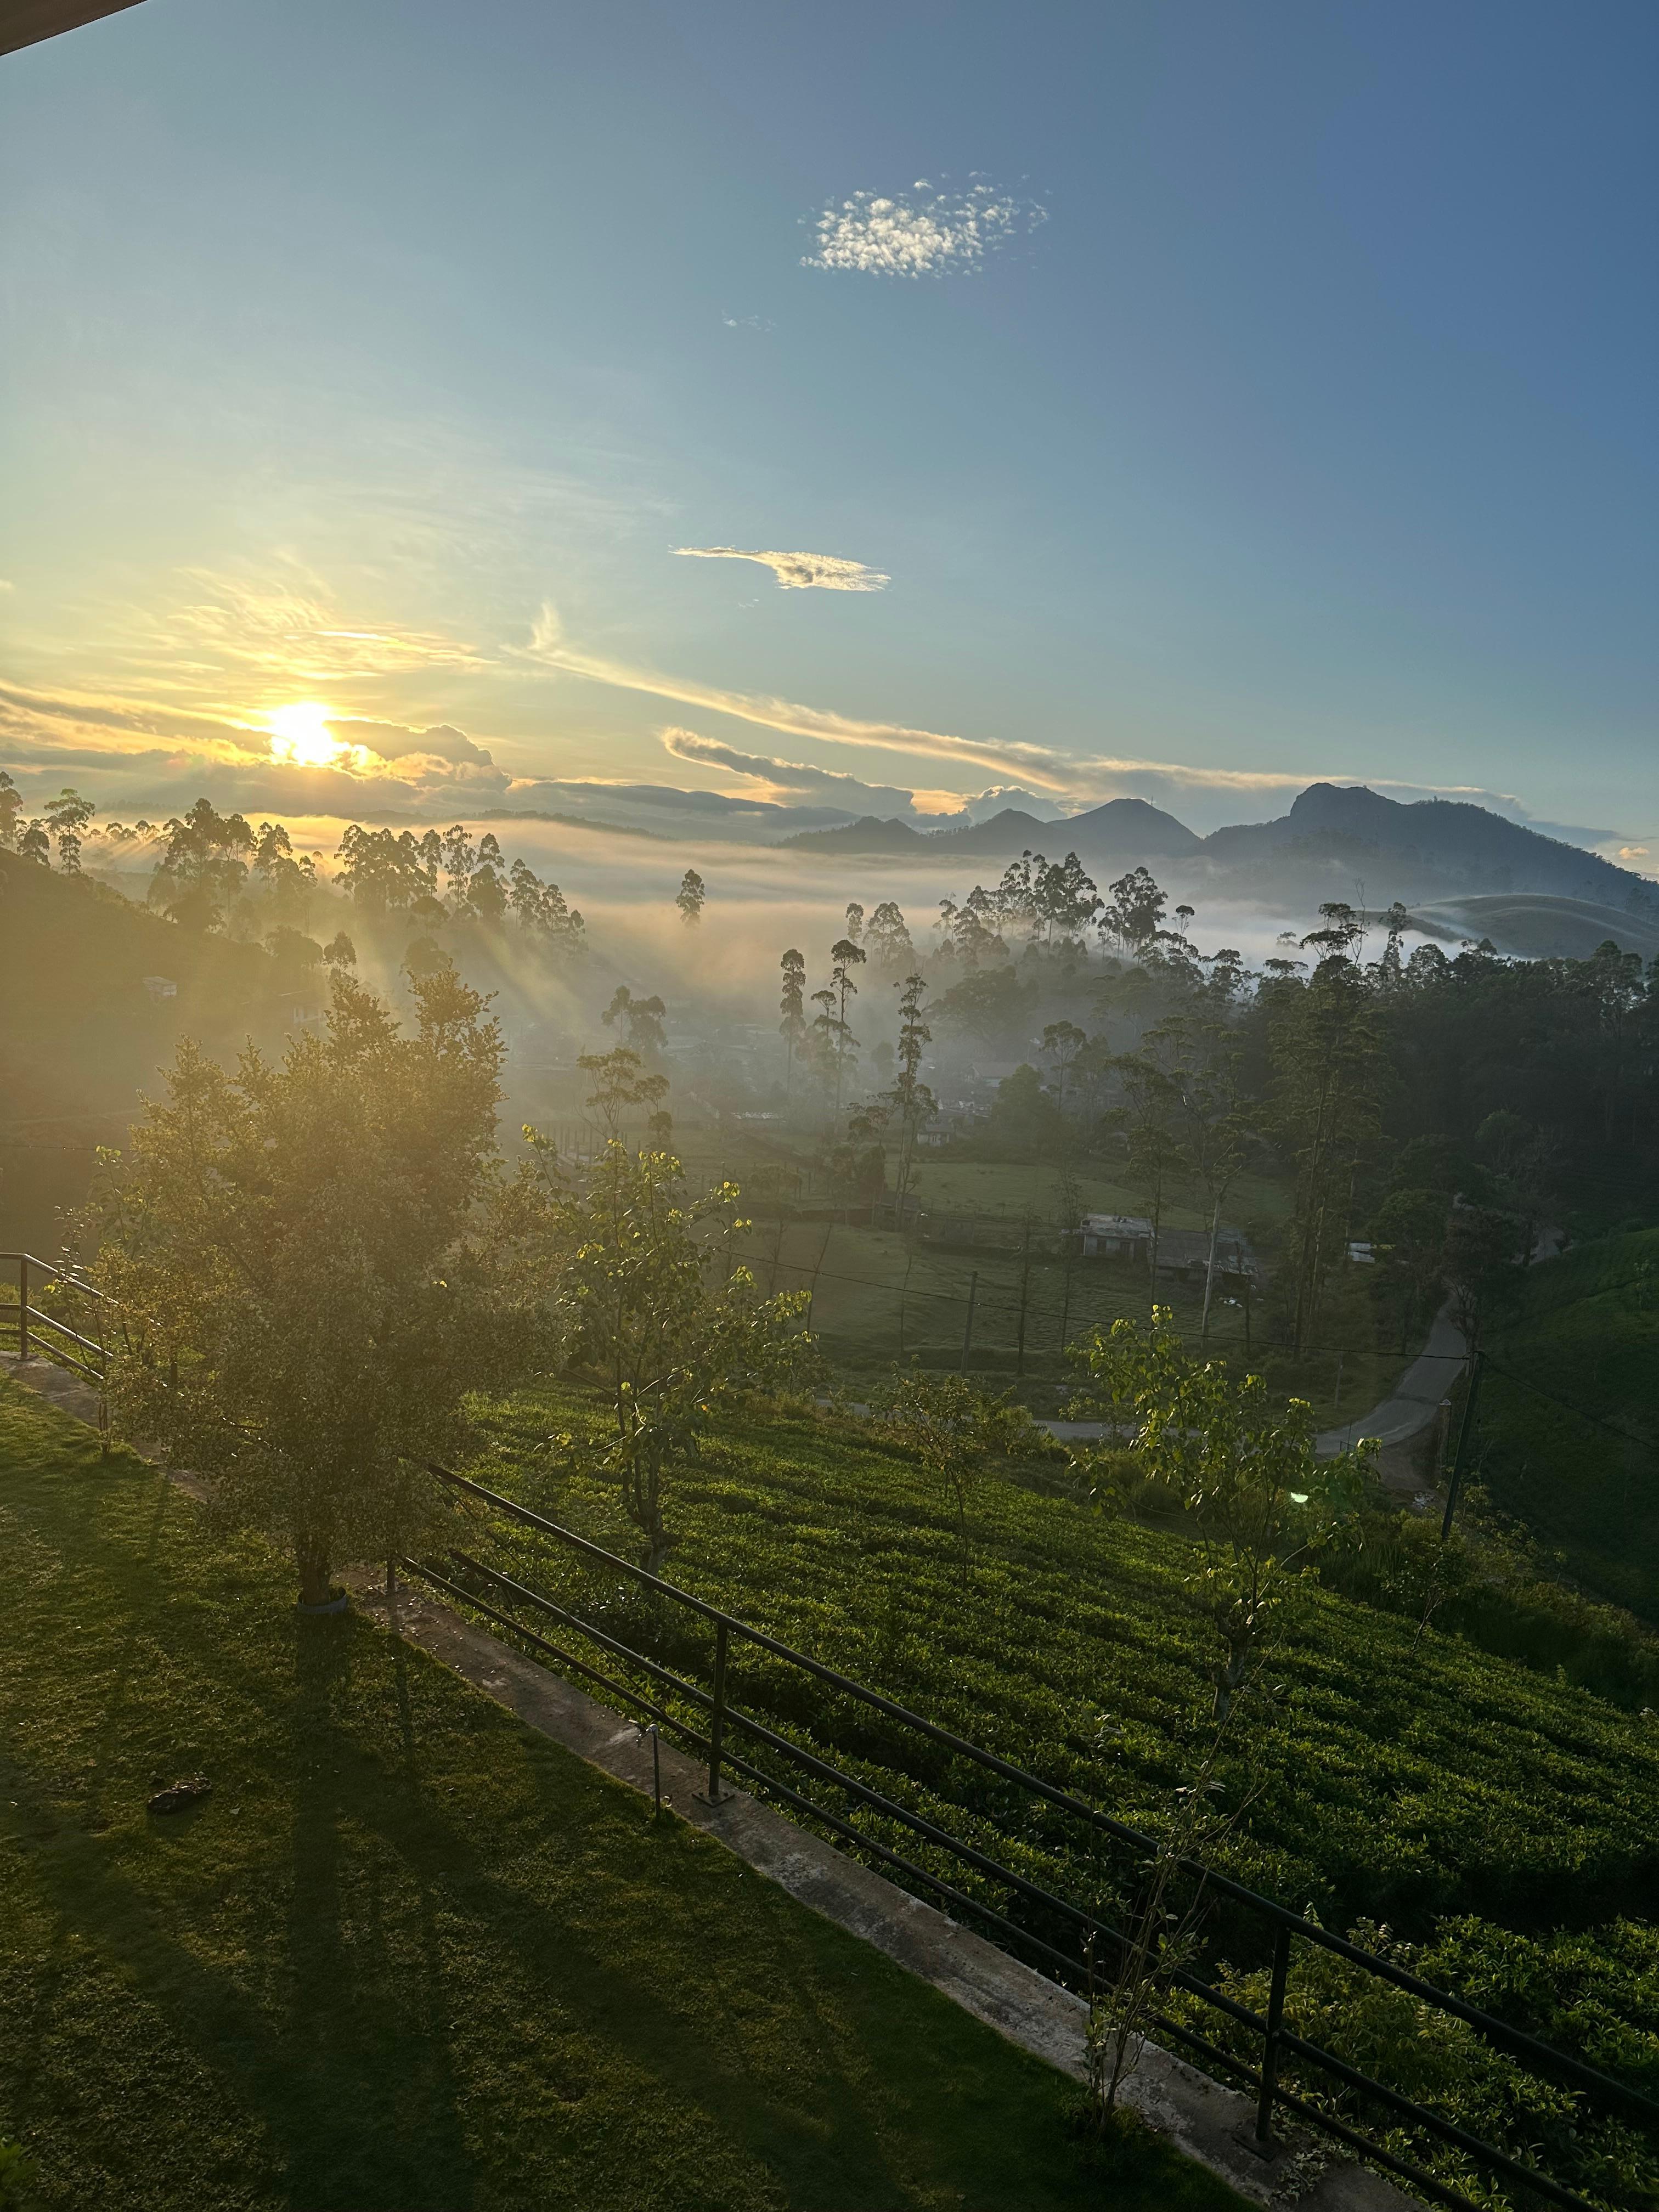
<point>799,572</point>
<point>782,780</point>
<point>927,234</point>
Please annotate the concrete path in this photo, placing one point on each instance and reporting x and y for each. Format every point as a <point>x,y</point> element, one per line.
<point>1416,1397</point>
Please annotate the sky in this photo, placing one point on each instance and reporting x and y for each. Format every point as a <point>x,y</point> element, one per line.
<point>406,406</point>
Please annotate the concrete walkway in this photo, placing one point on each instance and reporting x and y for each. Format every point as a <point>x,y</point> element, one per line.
<point>1416,1397</point>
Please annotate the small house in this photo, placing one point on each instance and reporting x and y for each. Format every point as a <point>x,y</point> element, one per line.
<point>1115,1236</point>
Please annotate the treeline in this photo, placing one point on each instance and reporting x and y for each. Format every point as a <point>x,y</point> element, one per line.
<point>216,872</point>
<point>1433,1114</point>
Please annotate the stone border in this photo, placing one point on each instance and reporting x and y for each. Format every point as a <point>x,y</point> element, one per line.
<point>1211,2124</point>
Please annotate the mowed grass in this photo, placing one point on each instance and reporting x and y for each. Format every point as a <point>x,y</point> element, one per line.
<point>409,1953</point>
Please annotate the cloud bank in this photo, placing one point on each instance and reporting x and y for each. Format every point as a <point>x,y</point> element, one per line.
<point>799,572</point>
<point>926,232</point>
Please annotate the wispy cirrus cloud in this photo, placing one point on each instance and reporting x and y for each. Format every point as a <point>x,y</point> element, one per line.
<point>799,572</point>
<point>928,230</point>
<point>1038,763</point>
<point>783,779</point>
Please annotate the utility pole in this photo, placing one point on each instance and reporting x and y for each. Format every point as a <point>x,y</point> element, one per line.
<point>1466,1431</point>
<point>1025,1289</point>
<point>968,1333</point>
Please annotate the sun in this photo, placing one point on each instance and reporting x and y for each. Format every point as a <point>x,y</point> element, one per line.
<point>301,734</point>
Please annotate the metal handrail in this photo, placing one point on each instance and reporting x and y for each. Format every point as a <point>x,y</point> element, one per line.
<point>23,1314</point>
<point>1276,2036</point>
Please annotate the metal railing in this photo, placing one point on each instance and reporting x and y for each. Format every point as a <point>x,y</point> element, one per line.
<point>500,1598</point>
<point>36,1332</point>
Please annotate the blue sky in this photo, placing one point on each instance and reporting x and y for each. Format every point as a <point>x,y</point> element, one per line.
<point>380,359</point>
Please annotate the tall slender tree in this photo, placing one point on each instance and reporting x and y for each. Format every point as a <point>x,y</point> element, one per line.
<point>792,1005</point>
<point>844,957</point>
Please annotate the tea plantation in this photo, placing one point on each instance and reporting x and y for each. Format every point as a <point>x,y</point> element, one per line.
<point>1587,1331</point>
<point>1402,1783</point>
<point>1497,1822</point>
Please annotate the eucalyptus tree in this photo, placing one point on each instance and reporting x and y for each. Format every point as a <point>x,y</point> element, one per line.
<point>908,1105</point>
<point>67,816</point>
<point>792,1005</point>
<point>1328,1065</point>
<point>889,945</point>
<point>691,898</point>
<point>844,957</point>
<point>641,1020</point>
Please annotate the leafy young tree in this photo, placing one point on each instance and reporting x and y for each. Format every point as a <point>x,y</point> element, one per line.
<point>314,1260</point>
<point>1240,1467</point>
<point>651,1301</point>
<point>691,897</point>
<point>954,1427</point>
<point>621,1082</point>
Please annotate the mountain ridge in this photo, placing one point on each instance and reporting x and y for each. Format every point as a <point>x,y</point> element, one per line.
<point>1331,836</point>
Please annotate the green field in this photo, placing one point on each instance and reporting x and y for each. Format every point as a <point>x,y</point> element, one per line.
<point>879,1298</point>
<point>1587,1331</point>
<point>408,1954</point>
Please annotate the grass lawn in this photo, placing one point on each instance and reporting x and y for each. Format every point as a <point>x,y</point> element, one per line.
<point>878,1298</point>
<point>409,1953</point>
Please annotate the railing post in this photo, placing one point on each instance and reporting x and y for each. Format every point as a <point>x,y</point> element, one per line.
<point>717,1719</point>
<point>1264,2111</point>
<point>23,1306</point>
